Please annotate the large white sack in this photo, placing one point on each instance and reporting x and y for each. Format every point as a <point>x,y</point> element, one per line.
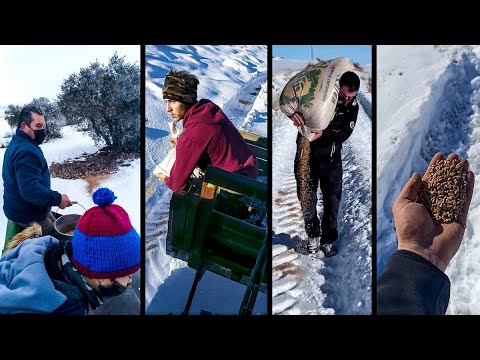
<point>166,165</point>
<point>313,92</point>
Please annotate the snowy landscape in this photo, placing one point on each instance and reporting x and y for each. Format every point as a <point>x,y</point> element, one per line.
<point>235,78</point>
<point>312,284</point>
<point>74,143</point>
<point>428,101</point>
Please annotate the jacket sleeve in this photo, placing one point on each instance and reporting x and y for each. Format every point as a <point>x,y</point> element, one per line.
<point>342,134</point>
<point>188,154</point>
<point>411,285</point>
<point>28,168</point>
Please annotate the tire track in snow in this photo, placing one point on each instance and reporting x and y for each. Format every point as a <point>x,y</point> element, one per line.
<point>350,291</point>
<point>156,227</point>
<point>239,106</point>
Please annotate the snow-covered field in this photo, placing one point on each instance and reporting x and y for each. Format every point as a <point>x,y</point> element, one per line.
<point>313,284</point>
<point>227,74</point>
<point>428,101</point>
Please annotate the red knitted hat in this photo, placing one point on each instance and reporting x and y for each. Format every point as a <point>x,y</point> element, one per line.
<point>105,245</point>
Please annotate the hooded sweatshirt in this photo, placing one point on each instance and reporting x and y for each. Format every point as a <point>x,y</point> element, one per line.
<point>210,138</point>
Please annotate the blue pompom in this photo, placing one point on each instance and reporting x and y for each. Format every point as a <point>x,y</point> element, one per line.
<point>103,197</point>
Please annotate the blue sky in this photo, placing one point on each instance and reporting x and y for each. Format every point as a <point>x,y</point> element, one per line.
<point>358,53</point>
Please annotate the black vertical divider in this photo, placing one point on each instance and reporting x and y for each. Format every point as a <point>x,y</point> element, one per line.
<point>270,209</point>
<point>142,174</point>
<point>374,180</point>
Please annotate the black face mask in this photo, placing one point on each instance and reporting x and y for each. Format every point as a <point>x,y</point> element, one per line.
<point>113,290</point>
<point>39,135</point>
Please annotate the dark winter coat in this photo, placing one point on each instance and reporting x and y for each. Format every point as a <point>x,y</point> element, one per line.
<point>329,145</point>
<point>27,196</point>
<point>210,138</point>
<point>411,285</point>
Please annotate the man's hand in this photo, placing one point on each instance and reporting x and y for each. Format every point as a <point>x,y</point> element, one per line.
<point>65,202</point>
<point>161,177</point>
<point>173,142</point>
<point>416,230</point>
<point>297,119</point>
<point>317,133</point>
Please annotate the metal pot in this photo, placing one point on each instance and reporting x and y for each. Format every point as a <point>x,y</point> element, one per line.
<point>65,224</point>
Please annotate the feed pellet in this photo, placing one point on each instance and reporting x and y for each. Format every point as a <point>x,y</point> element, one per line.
<point>444,190</point>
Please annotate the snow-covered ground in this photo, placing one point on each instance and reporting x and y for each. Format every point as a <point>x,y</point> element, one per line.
<point>313,284</point>
<point>72,145</point>
<point>227,74</point>
<point>428,100</point>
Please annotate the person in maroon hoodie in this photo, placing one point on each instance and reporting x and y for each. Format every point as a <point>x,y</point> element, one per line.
<point>208,137</point>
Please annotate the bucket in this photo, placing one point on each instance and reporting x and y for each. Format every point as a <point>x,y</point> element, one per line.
<point>65,225</point>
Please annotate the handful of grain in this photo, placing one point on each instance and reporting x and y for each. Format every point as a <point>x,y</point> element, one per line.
<point>444,190</point>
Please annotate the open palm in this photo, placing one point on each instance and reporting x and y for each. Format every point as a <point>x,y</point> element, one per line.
<point>416,230</point>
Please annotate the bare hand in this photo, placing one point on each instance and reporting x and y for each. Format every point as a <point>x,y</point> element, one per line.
<point>161,177</point>
<point>416,230</point>
<point>317,133</point>
<point>297,119</point>
<point>65,202</point>
<point>173,142</point>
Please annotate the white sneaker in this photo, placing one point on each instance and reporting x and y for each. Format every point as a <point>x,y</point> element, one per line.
<point>313,245</point>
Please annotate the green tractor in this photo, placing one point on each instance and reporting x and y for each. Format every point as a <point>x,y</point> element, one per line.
<point>219,224</point>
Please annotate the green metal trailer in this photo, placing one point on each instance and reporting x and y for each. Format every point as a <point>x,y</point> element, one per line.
<point>219,224</point>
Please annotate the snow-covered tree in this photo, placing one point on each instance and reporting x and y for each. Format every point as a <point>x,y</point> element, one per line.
<point>11,114</point>
<point>108,96</point>
<point>53,117</point>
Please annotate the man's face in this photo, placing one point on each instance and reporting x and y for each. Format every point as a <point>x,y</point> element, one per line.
<point>345,94</point>
<point>38,123</point>
<point>124,280</point>
<point>176,109</point>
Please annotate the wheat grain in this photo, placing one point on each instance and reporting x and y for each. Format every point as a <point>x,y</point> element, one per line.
<point>444,190</point>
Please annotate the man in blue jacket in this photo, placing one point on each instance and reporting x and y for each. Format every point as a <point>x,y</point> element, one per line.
<point>27,196</point>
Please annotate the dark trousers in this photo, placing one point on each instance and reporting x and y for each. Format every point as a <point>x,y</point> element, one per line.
<point>328,172</point>
<point>47,225</point>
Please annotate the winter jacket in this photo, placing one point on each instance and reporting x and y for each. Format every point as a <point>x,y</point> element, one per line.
<point>25,286</point>
<point>411,285</point>
<point>329,145</point>
<point>210,138</point>
<point>27,196</point>
<point>31,280</point>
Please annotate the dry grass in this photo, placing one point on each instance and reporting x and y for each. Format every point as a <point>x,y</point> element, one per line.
<point>94,182</point>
